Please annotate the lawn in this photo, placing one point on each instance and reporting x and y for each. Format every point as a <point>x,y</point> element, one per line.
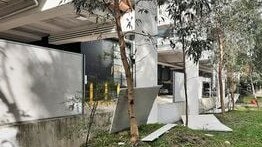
<point>246,123</point>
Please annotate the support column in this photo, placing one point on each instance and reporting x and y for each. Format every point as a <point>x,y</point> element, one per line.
<point>193,84</point>
<point>145,45</point>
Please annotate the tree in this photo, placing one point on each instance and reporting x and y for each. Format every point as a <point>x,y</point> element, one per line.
<point>230,33</point>
<point>226,31</point>
<point>218,32</point>
<point>190,19</point>
<point>258,47</point>
<point>239,21</point>
<point>116,8</point>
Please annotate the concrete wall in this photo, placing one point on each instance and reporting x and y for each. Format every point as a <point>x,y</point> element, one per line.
<point>146,50</point>
<point>59,132</point>
<point>37,83</point>
<point>51,133</point>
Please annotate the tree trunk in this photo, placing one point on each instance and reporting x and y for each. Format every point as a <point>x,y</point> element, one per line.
<point>253,89</point>
<point>185,78</point>
<point>233,100</point>
<point>220,66</point>
<point>232,90</point>
<point>231,86</point>
<point>220,79</point>
<point>130,89</point>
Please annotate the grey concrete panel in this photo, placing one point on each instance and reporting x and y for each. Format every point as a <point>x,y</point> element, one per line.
<point>205,122</point>
<point>144,99</point>
<point>37,82</point>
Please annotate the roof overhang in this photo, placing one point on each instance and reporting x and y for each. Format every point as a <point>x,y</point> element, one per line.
<point>174,58</point>
<point>57,21</point>
<point>85,33</point>
<point>12,7</point>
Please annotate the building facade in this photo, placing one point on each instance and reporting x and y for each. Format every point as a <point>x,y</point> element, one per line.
<point>54,24</point>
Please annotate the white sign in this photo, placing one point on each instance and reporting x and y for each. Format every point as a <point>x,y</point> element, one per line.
<point>128,21</point>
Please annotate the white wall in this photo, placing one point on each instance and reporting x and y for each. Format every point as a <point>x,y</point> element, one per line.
<point>164,111</point>
<point>36,82</point>
<point>170,112</point>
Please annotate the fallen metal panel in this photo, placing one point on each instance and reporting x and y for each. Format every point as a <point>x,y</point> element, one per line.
<point>205,122</point>
<point>159,132</point>
<point>144,99</point>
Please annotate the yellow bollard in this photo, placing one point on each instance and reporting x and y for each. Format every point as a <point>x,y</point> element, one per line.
<point>91,93</point>
<point>117,89</point>
<point>106,91</point>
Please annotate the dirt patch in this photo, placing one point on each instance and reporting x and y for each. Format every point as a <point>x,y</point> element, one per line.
<point>187,139</point>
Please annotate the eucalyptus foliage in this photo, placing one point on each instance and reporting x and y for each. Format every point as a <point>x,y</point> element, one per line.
<point>191,21</point>
<point>242,28</point>
<point>90,5</point>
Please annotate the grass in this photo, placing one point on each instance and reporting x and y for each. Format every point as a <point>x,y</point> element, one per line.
<point>246,123</point>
